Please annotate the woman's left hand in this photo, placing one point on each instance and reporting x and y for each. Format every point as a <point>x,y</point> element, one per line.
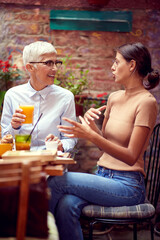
<point>77,130</point>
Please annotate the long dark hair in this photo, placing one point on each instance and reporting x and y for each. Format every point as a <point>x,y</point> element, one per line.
<point>139,53</point>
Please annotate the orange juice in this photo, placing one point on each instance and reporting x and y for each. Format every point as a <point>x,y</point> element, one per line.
<point>23,146</point>
<point>28,110</point>
<point>4,147</point>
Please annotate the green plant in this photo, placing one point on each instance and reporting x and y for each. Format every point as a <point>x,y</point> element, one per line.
<point>72,78</point>
<point>8,72</point>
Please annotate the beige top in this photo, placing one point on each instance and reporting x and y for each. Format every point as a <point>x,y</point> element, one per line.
<point>126,109</point>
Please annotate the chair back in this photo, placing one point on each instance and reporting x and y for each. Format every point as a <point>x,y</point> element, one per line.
<point>21,174</point>
<point>152,161</point>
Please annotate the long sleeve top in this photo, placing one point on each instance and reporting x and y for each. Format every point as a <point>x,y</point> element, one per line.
<point>53,101</point>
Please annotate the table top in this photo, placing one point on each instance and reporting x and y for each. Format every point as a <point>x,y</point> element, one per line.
<point>51,163</point>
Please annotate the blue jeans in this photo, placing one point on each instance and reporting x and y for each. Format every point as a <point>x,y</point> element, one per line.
<point>72,191</point>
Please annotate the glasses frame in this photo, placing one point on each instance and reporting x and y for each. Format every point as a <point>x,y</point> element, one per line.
<point>51,62</point>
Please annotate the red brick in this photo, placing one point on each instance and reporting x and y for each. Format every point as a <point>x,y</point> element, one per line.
<point>105,39</point>
<point>32,28</point>
<point>98,74</point>
<point>101,63</point>
<point>63,51</point>
<point>23,40</point>
<point>92,52</point>
<point>65,34</point>
<point>34,16</point>
<point>107,86</point>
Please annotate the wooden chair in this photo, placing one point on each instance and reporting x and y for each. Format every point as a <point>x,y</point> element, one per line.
<point>138,213</point>
<point>21,174</point>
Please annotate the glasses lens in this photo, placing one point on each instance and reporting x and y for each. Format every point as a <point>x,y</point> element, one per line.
<point>58,64</point>
<point>49,63</point>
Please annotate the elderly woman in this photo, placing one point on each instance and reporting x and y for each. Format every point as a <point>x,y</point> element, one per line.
<point>41,63</point>
<point>129,120</point>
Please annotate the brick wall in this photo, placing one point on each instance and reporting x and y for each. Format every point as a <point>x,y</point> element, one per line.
<point>22,24</point>
<point>92,50</point>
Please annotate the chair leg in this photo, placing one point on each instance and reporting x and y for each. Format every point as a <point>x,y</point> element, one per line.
<point>152,231</point>
<point>91,230</point>
<point>135,231</point>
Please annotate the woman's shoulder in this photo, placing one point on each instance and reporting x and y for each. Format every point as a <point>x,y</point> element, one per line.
<point>17,88</point>
<point>62,90</point>
<point>148,97</point>
<point>147,102</point>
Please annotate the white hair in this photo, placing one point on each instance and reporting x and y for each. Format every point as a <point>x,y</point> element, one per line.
<point>33,51</point>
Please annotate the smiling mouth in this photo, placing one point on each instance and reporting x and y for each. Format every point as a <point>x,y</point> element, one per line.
<point>52,76</point>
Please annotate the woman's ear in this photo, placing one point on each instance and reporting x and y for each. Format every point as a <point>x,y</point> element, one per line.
<point>29,67</point>
<point>132,65</point>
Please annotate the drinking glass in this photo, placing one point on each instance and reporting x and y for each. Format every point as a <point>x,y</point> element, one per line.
<point>23,141</point>
<point>28,111</point>
<point>51,145</point>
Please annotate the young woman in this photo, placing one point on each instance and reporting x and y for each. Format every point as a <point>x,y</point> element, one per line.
<point>129,120</point>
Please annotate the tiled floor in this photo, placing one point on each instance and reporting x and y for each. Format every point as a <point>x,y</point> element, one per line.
<point>125,233</point>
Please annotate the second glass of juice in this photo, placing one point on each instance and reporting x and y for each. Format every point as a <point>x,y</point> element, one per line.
<point>23,141</point>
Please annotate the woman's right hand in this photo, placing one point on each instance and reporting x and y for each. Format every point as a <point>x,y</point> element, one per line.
<point>17,119</point>
<point>93,113</point>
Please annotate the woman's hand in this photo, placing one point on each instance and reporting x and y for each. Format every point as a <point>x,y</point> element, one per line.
<point>51,137</point>
<point>93,114</point>
<point>77,130</point>
<point>8,138</point>
<point>17,119</point>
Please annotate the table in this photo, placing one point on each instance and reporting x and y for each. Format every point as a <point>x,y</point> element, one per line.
<point>58,166</point>
<point>27,174</point>
<point>52,164</point>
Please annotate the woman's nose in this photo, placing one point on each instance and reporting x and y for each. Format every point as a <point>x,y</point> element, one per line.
<point>54,67</point>
<point>112,67</point>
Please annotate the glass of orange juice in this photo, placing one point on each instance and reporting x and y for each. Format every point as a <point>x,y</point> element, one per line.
<point>28,111</point>
<point>23,141</point>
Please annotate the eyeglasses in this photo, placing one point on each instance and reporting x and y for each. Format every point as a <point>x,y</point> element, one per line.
<point>50,63</point>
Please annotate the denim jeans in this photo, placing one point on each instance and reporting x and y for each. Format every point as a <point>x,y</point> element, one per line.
<point>72,191</point>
